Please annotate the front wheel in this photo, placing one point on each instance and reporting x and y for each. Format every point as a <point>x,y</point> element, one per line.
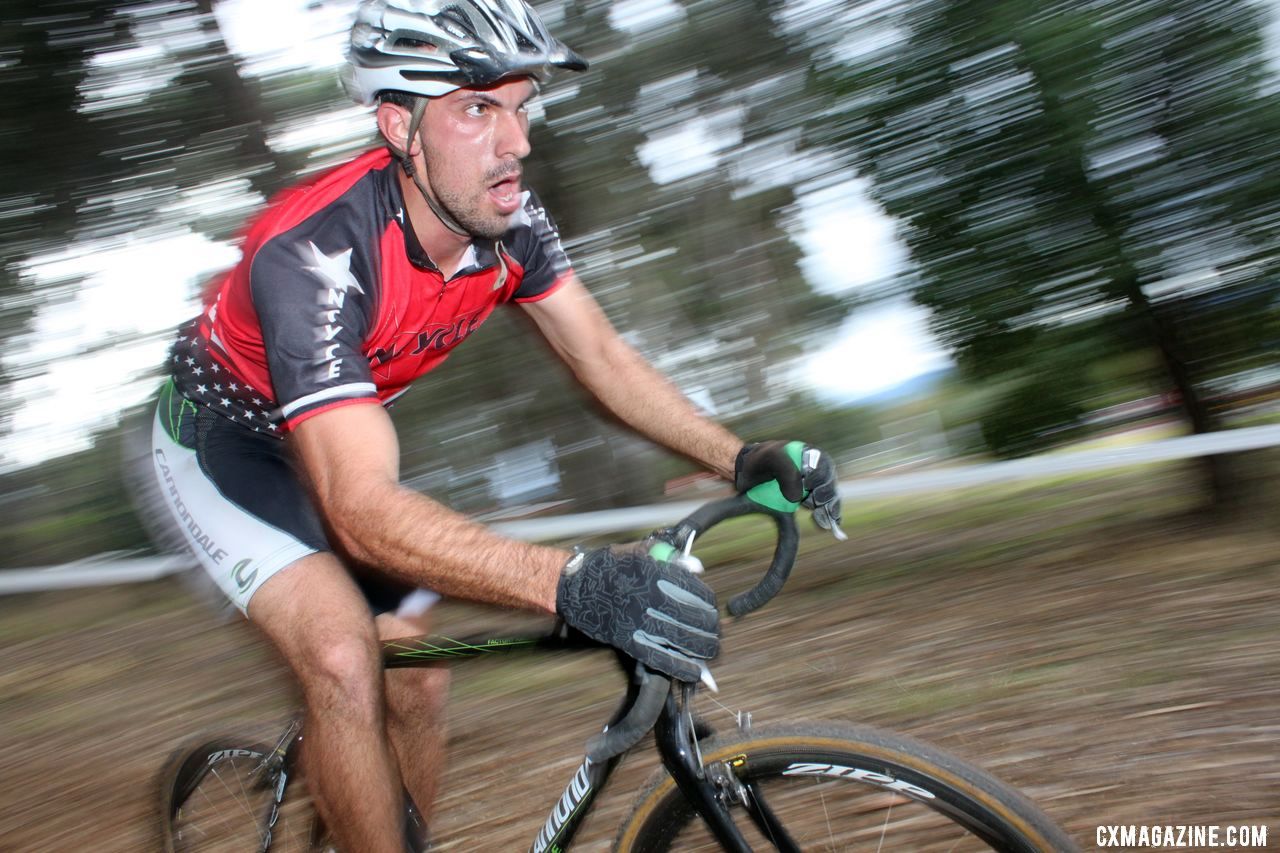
<point>838,787</point>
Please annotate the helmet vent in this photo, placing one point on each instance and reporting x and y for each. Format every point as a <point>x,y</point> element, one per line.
<point>522,42</point>
<point>429,48</point>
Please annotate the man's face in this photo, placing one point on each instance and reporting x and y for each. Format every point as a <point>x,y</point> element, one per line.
<point>474,140</point>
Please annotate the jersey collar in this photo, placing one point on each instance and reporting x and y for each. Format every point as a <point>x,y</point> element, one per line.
<point>480,254</point>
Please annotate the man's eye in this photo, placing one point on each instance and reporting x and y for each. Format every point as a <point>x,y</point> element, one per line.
<point>477,110</point>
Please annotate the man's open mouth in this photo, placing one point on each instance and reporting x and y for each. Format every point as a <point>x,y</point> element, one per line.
<point>506,193</point>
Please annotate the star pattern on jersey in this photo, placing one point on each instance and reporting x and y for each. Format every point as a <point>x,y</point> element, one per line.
<point>336,269</point>
<point>412,332</point>
<point>230,398</point>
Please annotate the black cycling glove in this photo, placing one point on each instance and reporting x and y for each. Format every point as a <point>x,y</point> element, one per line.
<point>810,481</point>
<point>653,611</point>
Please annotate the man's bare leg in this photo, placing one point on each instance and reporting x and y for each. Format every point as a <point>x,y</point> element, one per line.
<point>315,616</point>
<point>416,700</point>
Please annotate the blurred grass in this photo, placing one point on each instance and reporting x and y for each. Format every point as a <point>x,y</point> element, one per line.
<point>1062,624</point>
<point>989,525</point>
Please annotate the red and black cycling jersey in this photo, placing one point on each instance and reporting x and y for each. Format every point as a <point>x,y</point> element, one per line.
<point>335,302</point>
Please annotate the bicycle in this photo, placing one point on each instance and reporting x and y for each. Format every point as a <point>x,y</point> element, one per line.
<point>789,787</point>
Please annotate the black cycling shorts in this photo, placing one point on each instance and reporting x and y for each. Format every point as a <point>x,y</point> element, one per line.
<point>239,502</point>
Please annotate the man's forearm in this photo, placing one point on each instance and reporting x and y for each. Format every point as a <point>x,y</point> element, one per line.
<point>417,540</point>
<point>644,399</point>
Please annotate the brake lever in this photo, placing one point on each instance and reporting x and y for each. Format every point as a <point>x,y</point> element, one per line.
<point>708,680</point>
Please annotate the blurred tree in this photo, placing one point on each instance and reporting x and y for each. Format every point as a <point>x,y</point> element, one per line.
<point>43,177</point>
<point>699,272</point>
<point>132,117</point>
<point>112,111</point>
<point>1081,168</point>
<point>68,508</point>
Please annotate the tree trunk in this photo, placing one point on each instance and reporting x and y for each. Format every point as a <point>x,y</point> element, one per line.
<point>1125,282</point>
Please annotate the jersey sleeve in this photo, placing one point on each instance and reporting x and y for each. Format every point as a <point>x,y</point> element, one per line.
<point>534,242</point>
<point>313,294</point>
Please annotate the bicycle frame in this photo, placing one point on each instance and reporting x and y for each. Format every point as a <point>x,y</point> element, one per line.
<point>673,728</point>
<point>971,800</point>
<point>674,736</point>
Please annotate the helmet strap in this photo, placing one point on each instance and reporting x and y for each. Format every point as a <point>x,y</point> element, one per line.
<point>406,163</point>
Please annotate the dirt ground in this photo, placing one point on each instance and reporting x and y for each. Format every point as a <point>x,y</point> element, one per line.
<point>1088,643</point>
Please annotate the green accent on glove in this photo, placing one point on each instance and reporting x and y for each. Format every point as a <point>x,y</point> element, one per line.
<point>769,496</point>
<point>662,551</point>
<point>795,449</point>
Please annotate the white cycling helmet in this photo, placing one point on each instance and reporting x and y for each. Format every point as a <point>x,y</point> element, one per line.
<point>432,47</point>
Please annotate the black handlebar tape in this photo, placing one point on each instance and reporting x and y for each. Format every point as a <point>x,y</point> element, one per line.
<point>784,553</point>
<point>709,515</point>
<point>784,557</point>
<point>628,731</point>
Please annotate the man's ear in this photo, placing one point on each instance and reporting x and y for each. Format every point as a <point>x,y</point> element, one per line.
<point>393,124</point>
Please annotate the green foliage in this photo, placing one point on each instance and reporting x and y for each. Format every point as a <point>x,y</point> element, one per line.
<point>1074,166</point>
<point>68,508</point>
<point>1014,424</point>
<point>700,272</point>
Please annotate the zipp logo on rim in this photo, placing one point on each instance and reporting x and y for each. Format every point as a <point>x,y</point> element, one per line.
<point>884,780</point>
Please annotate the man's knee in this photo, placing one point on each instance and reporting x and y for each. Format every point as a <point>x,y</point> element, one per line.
<point>343,670</point>
<point>413,692</point>
<point>315,616</point>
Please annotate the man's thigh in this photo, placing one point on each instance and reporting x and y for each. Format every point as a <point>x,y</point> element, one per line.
<point>233,497</point>
<point>311,611</point>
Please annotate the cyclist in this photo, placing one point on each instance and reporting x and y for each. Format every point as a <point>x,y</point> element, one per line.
<point>281,469</point>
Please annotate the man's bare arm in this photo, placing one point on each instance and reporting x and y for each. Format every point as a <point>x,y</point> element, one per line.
<point>351,458</point>
<point>625,383</point>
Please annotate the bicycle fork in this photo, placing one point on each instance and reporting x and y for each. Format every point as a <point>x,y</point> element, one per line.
<point>712,789</point>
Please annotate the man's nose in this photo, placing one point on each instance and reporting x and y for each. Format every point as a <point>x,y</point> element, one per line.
<point>514,137</point>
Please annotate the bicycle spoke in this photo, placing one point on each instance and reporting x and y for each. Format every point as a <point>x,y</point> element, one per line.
<point>242,800</point>
<point>885,828</point>
<point>764,817</point>
<point>211,806</point>
<point>224,803</point>
<point>831,839</point>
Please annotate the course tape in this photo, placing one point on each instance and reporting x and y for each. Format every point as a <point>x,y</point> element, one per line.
<point>110,569</point>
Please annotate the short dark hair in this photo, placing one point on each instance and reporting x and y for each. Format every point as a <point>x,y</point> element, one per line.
<point>399,99</point>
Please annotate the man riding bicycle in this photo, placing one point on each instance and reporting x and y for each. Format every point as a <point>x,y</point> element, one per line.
<point>281,468</point>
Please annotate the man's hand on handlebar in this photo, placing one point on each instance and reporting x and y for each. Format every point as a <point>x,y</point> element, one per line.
<point>805,475</point>
<point>653,610</point>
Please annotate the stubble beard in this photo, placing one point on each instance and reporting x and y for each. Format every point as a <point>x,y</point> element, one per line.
<point>466,209</point>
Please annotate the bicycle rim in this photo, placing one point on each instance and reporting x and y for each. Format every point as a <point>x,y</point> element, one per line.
<point>217,796</point>
<point>844,788</point>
